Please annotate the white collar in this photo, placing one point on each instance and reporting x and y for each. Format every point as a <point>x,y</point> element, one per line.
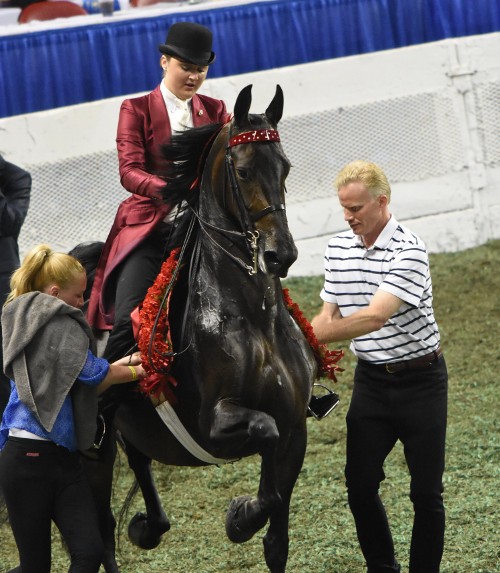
<point>172,102</point>
<point>384,237</point>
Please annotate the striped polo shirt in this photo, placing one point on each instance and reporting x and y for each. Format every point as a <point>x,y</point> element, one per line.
<point>397,263</point>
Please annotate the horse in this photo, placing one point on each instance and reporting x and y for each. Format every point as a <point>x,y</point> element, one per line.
<point>243,368</point>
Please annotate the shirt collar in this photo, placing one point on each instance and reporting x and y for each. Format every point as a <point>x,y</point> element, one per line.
<point>384,237</point>
<point>387,233</point>
<point>172,102</point>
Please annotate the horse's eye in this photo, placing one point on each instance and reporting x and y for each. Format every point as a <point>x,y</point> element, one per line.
<point>242,173</point>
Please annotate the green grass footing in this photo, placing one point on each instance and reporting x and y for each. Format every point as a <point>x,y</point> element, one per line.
<point>322,536</point>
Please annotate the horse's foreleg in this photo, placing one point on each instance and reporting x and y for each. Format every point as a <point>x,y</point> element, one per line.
<point>289,464</point>
<point>238,431</point>
<point>145,529</point>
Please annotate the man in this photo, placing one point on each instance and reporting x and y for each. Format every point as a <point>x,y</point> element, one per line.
<point>15,191</point>
<point>378,293</point>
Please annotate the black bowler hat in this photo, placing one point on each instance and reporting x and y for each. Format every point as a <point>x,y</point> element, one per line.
<point>189,42</point>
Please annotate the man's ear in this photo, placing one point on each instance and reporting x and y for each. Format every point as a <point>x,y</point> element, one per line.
<point>383,201</point>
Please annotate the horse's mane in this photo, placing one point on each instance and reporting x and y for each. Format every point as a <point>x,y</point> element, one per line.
<point>186,154</point>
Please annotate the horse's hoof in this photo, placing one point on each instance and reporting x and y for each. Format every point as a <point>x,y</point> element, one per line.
<point>244,518</point>
<point>141,533</point>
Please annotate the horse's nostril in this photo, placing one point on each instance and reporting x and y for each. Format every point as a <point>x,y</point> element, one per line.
<point>274,265</point>
<point>271,258</point>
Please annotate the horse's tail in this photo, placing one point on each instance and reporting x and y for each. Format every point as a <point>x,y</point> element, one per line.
<point>88,254</point>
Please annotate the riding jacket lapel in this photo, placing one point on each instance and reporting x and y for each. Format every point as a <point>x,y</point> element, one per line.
<point>200,115</point>
<point>160,122</point>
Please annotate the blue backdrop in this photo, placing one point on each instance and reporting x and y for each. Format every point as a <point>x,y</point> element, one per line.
<point>48,69</point>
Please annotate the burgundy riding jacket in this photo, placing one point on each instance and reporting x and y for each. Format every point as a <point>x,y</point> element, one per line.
<point>143,126</point>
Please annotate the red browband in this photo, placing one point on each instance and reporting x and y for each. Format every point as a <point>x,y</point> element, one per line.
<point>256,135</point>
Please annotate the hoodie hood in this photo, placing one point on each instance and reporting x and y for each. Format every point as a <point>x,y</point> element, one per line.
<point>45,345</point>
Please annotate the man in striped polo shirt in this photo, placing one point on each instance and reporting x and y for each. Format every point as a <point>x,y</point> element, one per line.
<point>378,294</point>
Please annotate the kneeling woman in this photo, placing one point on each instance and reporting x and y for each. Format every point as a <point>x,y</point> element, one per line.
<point>49,356</point>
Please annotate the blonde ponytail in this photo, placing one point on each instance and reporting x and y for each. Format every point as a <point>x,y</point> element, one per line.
<point>41,267</point>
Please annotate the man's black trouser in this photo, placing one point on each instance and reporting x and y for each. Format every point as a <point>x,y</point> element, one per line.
<point>410,406</point>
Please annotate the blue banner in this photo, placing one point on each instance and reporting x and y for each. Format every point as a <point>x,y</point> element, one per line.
<point>53,68</point>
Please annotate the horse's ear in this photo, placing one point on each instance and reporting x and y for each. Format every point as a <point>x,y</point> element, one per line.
<point>242,106</point>
<point>275,110</point>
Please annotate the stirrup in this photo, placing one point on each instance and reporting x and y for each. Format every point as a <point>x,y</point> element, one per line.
<point>93,452</point>
<point>320,406</point>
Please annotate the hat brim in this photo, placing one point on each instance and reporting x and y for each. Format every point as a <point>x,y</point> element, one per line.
<point>199,59</point>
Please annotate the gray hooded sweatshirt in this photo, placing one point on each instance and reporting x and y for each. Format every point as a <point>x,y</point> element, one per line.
<point>45,344</point>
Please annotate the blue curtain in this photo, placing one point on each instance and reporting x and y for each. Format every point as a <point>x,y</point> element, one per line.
<point>53,68</point>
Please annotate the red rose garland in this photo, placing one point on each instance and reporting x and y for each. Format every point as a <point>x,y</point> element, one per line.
<point>327,359</point>
<point>155,344</point>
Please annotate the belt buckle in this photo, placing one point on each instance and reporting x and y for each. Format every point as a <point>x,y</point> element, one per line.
<point>389,368</point>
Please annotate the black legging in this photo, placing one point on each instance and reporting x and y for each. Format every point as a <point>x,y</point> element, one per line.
<point>42,482</point>
<point>136,274</point>
<point>133,278</point>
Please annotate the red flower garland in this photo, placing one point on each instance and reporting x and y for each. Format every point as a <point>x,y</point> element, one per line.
<point>327,359</point>
<point>156,347</point>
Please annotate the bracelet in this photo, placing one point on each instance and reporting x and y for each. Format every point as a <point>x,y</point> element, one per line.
<point>134,372</point>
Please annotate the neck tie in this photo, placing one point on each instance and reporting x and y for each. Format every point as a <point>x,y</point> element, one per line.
<point>185,116</point>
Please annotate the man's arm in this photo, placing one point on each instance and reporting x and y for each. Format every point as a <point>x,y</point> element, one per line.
<point>330,326</point>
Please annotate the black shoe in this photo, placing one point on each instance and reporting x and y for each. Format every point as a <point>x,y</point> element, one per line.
<point>396,568</point>
<point>321,406</point>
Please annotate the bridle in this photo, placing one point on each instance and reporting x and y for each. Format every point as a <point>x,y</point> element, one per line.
<point>257,135</point>
<point>250,234</point>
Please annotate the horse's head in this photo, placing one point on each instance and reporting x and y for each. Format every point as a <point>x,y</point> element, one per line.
<point>256,169</point>
<point>242,168</point>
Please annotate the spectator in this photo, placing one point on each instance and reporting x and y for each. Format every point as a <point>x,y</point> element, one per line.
<point>15,190</point>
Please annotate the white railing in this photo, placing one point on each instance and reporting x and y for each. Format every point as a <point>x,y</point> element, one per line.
<point>428,114</point>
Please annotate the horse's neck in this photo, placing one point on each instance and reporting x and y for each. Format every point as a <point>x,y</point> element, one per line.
<point>223,284</point>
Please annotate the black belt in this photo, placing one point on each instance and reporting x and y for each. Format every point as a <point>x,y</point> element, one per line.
<point>414,363</point>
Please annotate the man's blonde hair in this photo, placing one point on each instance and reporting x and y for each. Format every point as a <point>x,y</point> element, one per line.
<point>370,174</point>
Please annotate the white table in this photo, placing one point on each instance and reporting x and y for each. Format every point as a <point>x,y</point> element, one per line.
<point>9,16</point>
<point>161,8</point>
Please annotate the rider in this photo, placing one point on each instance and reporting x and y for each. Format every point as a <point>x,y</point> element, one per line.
<point>137,243</point>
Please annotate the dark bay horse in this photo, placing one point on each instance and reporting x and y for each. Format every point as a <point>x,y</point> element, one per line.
<point>244,369</point>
